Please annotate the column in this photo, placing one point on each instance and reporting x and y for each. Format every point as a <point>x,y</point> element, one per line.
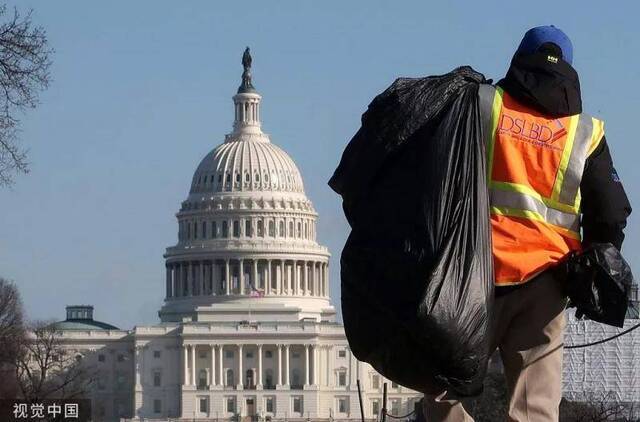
<point>212,382</point>
<point>185,354</point>
<point>220,366</point>
<point>241,275</point>
<point>240,373</point>
<point>281,281</point>
<point>326,280</point>
<point>259,377</point>
<point>193,364</point>
<point>254,274</point>
<point>286,363</point>
<point>190,279</point>
<point>268,289</point>
<point>328,369</point>
<point>306,364</point>
<point>202,281</point>
<point>168,281</point>
<point>226,276</point>
<point>314,350</point>
<point>305,274</point>
<point>279,364</point>
<point>296,278</point>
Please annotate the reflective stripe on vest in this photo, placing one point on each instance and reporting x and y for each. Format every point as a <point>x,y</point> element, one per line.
<point>536,177</point>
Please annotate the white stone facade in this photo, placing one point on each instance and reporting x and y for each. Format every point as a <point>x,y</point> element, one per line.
<point>247,328</point>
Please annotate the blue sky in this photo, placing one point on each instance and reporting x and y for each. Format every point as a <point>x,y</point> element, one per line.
<point>142,91</point>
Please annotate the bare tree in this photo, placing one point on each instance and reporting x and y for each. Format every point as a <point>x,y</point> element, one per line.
<point>598,407</point>
<point>11,335</point>
<point>24,72</point>
<point>46,369</point>
<point>11,324</point>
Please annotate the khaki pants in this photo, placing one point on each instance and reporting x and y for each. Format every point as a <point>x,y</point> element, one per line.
<point>527,329</point>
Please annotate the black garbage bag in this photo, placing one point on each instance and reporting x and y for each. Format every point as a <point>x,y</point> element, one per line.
<point>416,270</point>
<point>598,284</point>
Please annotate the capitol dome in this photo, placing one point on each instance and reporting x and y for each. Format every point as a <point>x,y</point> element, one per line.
<point>247,233</point>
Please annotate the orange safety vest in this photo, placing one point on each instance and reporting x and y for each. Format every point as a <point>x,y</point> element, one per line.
<point>534,168</point>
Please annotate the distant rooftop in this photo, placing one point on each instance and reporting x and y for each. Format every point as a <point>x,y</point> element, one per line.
<point>80,317</point>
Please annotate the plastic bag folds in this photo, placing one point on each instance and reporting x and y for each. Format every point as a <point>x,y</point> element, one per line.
<point>416,270</point>
<point>598,284</point>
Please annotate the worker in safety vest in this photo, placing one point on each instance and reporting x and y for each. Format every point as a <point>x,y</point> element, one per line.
<point>553,189</point>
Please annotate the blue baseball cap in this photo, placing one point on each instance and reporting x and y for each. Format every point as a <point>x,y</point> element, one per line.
<point>539,35</point>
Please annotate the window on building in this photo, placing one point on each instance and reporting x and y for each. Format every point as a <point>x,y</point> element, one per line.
<point>120,380</point>
<point>395,407</point>
<point>195,229</point>
<point>290,228</point>
<point>230,379</point>
<point>157,379</point>
<point>375,408</point>
<point>260,228</point>
<point>237,177</point>
<point>297,404</point>
<point>225,229</point>
<point>295,355</point>
<point>281,228</point>
<point>156,354</point>
<point>256,177</point>
<point>102,382</point>
<point>236,228</point>
<point>394,385</point>
<point>101,358</point>
<point>375,381</point>
<point>202,354</point>
<point>247,177</point>
<point>120,357</point>
<point>272,228</point>
<point>228,354</point>
<point>342,353</point>
<point>204,405</point>
<point>343,405</point>
<point>298,232</point>
<point>231,404</point>
<point>247,228</point>
<point>204,229</point>
<point>342,378</point>
<point>214,229</point>
<point>157,406</point>
<point>268,404</point>
<point>268,354</point>
<point>249,355</point>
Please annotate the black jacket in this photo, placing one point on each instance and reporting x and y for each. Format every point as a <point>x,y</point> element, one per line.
<point>554,89</point>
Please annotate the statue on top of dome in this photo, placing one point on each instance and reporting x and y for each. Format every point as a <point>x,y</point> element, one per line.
<point>246,85</point>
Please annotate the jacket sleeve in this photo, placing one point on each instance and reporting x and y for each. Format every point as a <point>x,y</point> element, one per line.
<point>605,206</point>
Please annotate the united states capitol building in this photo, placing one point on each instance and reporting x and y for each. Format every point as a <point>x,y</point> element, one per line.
<point>247,327</point>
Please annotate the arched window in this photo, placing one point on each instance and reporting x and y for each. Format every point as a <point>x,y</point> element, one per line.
<point>290,228</point>
<point>236,228</point>
<point>225,229</point>
<point>195,229</point>
<point>247,228</point>
<point>299,231</point>
<point>230,379</point>
<point>256,177</point>
<point>249,378</point>
<point>237,177</point>
<point>296,378</point>
<point>272,228</point>
<point>188,230</point>
<point>202,379</point>
<point>247,178</point>
<point>204,229</point>
<point>260,228</point>
<point>268,379</point>
<point>214,229</point>
<point>281,228</point>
